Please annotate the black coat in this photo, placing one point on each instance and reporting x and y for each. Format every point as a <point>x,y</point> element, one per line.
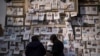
<point>57,48</point>
<point>35,49</point>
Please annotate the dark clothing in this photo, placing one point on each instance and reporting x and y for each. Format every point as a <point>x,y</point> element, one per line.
<point>35,48</point>
<point>57,48</point>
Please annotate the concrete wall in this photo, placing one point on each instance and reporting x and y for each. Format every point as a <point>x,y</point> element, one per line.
<point>2,12</point>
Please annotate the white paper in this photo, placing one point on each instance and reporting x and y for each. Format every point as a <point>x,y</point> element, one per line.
<point>13,37</point>
<point>7,38</point>
<point>54,4</point>
<point>56,15</point>
<point>19,11</point>
<point>55,30</point>
<point>41,16</point>
<point>10,21</point>
<point>26,36</point>
<point>36,31</point>
<point>48,5</point>
<point>21,46</point>
<point>73,14</point>
<point>19,21</point>
<point>28,16</point>
<point>93,54</point>
<point>16,52</point>
<point>35,16</point>
<point>9,11</point>
<point>49,15</point>
<point>84,38</point>
<point>67,16</point>
<point>77,30</point>
<point>27,22</point>
<point>71,6</point>
<point>93,10</point>
<point>31,10</point>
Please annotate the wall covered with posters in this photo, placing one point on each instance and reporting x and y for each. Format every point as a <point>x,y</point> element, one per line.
<point>76,24</point>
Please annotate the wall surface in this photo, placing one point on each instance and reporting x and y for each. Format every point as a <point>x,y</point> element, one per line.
<point>2,12</point>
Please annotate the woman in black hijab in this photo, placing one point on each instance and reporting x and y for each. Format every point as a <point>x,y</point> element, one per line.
<point>57,48</point>
<point>35,48</point>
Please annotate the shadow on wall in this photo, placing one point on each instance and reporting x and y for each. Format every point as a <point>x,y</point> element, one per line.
<point>2,12</point>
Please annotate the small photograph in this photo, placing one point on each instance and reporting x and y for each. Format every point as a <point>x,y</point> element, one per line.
<point>27,22</point>
<point>55,30</point>
<point>98,50</point>
<point>93,50</point>
<point>80,52</point>
<point>9,11</point>
<point>13,37</point>
<point>36,31</point>
<point>94,44</point>
<point>93,10</point>
<point>70,36</point>
<point>89,44</point>
<point>85,37</point>
<point>41,7</point>
<point>3,50</point>
<point>82,10</point>
<point>10,20</point>
<point>49,29</point>
<point>27,28</point>
<point>14,11</point>
<point>96,21</point>
<point>60,37</point>
<point>97,27</point>
<point>98,42</point>
<point>35,16</point>
<point>47,37</point>
<point>16,30</point>
<point>49,16</point>
<point>67,16</point>
<point>43,30</point>
<point>60,30</point>
<point>12,43</point>
<point>10,30</point>
<point>22,29</point>
<point>42,37</point>
<point>82,43</point>
<point>3,44</point>
<point>88,29</point>
<point>86,52</point>
<point>77,30</point>
<point>77,36</point>
<point>26,36</point>
<point>7,38</point>
<point>41,16</point>
<point>54,4</point>
<point>16,50</point>
<point>36,6</point>
<point>48,6</point>
<point>71,6</point>
<point>20,11</point>
<point>19,21</point>
<point>19,38</point>
<point>21,46</point>
<point>56,15</point>
<point>91,37</point>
